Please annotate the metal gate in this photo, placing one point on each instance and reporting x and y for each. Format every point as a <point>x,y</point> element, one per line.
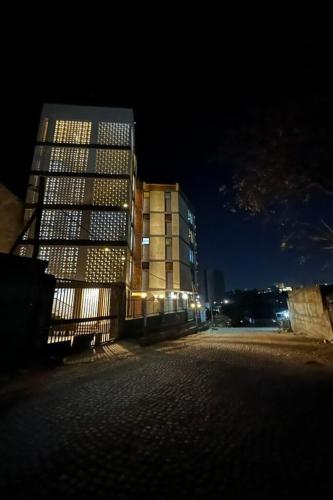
<point>81,313</point>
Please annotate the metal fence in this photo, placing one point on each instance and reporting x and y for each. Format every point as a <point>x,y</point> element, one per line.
<point>138,307</point>
<point>81,309</point>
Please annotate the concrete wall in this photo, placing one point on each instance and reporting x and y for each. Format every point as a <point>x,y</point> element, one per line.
<point>135,327</point>
<point>157,201</point>
<point>176,276</point>
<point>309,313</point>
<point>175,224</point>
<point>157,223</point>
<point>157,275</point>
<point>11,218</point>
<point>175,248</point>
<point>157,248</point>
<point>174,201</point>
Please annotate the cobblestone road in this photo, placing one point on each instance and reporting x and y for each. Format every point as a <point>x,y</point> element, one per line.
<point>207,416</point>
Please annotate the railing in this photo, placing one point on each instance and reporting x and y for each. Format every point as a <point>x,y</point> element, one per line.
<point>81,309</point>
<point>138,307</point>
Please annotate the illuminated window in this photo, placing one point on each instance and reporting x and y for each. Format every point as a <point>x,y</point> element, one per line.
<point>58,224</point>
<point>145,241</point>
<point>68,160</point>
<point>112,161</point>
<point>25,250</point>
<point>190,217</point>
<point>191,256</point>
<point>72,132</point>
<point>64,190</point>
<point>191,235</point>
<point>110,226</point>
<point>110,192</point>
<point>115,134</point>
<point>62,260</point>
<point>103,267</point>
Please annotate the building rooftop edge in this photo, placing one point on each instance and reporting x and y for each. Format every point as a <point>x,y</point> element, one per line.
<point>83,111</point>
<point>176,187</point>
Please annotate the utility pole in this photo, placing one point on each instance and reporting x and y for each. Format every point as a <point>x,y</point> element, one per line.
<point>211,313</point>
<point>195,306</point>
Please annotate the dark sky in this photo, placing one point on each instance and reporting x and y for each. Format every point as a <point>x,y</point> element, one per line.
<point>187,75</point>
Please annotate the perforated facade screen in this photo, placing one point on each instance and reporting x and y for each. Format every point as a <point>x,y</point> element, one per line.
<point>87,161</point>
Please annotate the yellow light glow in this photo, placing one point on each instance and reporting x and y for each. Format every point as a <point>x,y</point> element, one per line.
<point>193,305</point>
<point>125,205</point>
<point>161,296</point>
<point>106,249</point>
<point>143,295</point>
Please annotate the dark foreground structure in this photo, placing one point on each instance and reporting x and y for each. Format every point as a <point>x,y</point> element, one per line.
<point>208,416</point>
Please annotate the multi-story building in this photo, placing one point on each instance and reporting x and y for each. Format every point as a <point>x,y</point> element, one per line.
<point>86,156</point>
<point>96,225</point>
<point>165,254</point>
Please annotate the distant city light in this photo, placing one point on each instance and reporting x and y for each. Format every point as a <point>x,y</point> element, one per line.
<point>226,301</point>
<point>125,205</point>
<point>192,305</point>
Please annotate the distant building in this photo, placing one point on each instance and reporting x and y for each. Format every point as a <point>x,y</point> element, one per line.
<point>282,287</point>
<point>213,286</point>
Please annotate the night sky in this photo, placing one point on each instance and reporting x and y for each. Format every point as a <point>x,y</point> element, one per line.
<point>187,76</point>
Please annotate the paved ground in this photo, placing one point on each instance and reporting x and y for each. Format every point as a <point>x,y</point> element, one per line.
<point>243,330</point>
<point>207,416</point>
